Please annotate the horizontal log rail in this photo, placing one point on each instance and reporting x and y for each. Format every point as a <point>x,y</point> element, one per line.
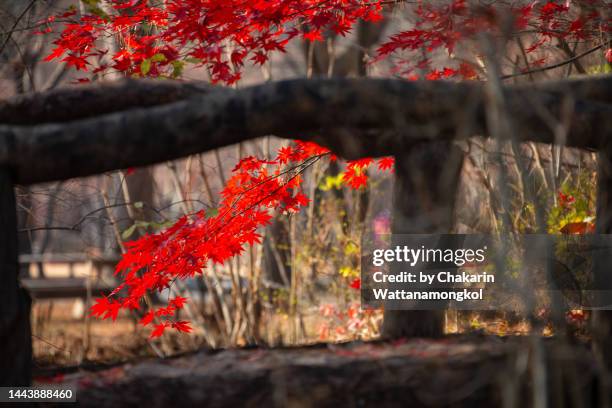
<point>116,126</point>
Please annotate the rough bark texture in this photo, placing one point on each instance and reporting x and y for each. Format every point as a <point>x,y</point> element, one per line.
<point>86,101</point>
<point>469,372</point>
<point>15,336</point>
<point>602,319</point>
<point>79,102</point>
<point>427,177</point>
<point>355,117</point>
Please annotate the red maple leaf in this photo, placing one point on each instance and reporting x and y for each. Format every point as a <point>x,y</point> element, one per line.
<point>105,308</point>
<point>313,35</point>
<point>158,330</point>
<point>56,53</point>
<point>147,318</point>
<point>182,326</point>
<point>284,154</point>
<point>77,61</point>
<point>165,311</point>
<point>386,163</point>
<point>178,302</point>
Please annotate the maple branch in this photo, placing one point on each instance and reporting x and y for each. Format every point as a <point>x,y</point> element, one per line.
<point>76,227</point>
<point>135,123</point>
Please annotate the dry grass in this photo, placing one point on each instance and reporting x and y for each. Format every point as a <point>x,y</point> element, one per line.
<point>60,339</point>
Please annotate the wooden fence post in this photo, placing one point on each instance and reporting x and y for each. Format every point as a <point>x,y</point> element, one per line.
<point>602,319</point>
<point>426,182</point>
<point>15,334</point>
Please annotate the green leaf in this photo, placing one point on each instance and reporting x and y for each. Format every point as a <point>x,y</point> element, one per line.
<point>145,66</point>
<point>211,212</point>
<point>93,7</point>
<point>605,68</point>
<point>162,225</point>
<point>138,204</point>
<point>128,232</point>
<point>159,57</point>
<point>177,68</point>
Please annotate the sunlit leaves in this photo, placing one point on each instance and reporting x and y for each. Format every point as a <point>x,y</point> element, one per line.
<point>257,189</point>
<point>105,308</point>
<point>182,326</point>
<point>147,318</point>
<point>178,302</point>
<point>220,36</point>
<point>386,163</point>
<point>158,330</point>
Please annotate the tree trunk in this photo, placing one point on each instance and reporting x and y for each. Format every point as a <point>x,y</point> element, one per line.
<point>15,335</point>
<point>141,190</point>
<point>426,183</point>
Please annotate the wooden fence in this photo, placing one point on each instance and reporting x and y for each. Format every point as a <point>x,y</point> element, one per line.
<point>88,130</point>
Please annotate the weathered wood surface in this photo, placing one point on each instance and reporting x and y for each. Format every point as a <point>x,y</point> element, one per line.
<point>86,101</point>
<point>602,319</point>
<point>355,117</point>
<point>15,333</point>
<point>468,372</point>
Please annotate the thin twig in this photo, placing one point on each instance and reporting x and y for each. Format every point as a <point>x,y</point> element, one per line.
<point>10,33</point>
<point>557,65</point>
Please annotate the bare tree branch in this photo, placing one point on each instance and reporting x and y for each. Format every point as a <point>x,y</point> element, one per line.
<point>574,59</point>
<point>9,35</point>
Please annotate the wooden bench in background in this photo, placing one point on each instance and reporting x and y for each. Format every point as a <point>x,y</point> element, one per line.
<point>68,286</point>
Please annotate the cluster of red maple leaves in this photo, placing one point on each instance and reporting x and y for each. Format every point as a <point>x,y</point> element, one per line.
<point>257,189</point>
<point>443,26</point>
<point>158,39</point>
